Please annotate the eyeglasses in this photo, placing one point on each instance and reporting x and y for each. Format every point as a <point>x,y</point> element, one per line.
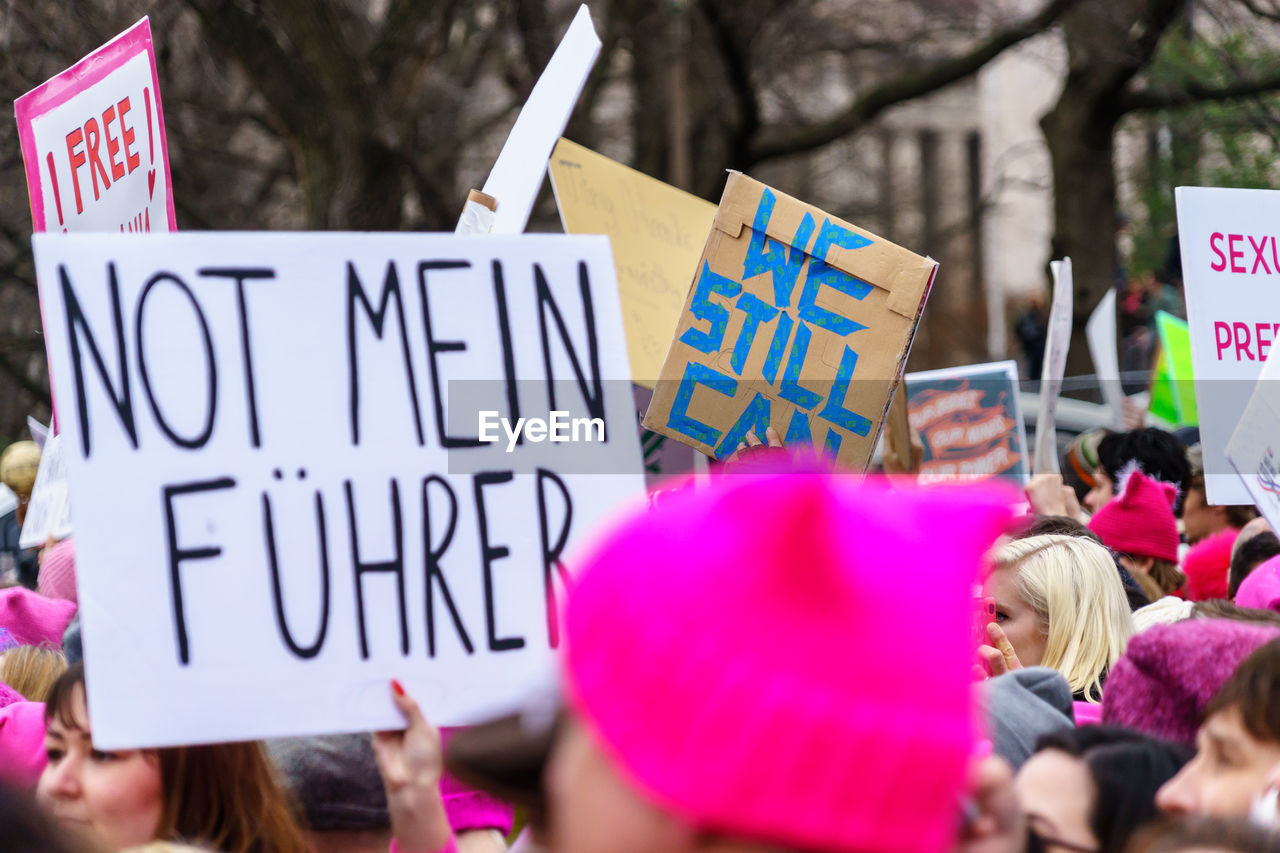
<point>1038,843</point>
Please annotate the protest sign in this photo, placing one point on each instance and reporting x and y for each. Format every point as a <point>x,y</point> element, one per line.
<point>1100,331</point>
<point>970,421</point>
<point>39,432</point>
<point>93,142</point>
<point>517,174</point>
<point>1230,265</point>
<point>813,348</point>
<point>1252,449</point>
<point>657,233</point>
<point>1055,366</point>
<point>295,475</point>
<point>1173,397</point>
<point>49,512</point>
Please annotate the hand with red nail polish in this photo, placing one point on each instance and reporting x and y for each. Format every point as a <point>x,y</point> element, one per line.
<point>412,762</point>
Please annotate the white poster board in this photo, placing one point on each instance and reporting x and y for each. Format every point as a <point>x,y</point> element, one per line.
<point>1254,448</point>
<point>318,397</point>
<point>1231,277</point>
<point>517,174</point>
<point>1058,340</point>
<point>1100,331</point>
<point>49,512</point>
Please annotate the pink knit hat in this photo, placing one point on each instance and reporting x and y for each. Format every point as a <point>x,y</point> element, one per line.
<point>32,619</point>
<point>747,655</point>
<point>58,571</point>
<point>1169,673</point>
<point>1261,587</point>
<point>22,755</point>
<point>1139,520</point>
<point>1207,565</point>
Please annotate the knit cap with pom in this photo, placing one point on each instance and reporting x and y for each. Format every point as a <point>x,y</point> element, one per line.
<point>745,656</point>
<point>1165,679</point>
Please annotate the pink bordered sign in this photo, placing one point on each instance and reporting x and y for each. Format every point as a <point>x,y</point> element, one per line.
<point>94,145</point>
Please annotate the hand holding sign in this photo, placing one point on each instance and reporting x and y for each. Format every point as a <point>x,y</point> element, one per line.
<point>411,761</point>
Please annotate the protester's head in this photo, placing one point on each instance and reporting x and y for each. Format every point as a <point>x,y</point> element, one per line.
<point>31,670</point>
<point>22,755</point>
<point>1081,462</point>
<point>715,691</point>
<point>1060,602</point>
<point>1058,525</point>
<point>1220,608</point>
<point>1261,588</point>
<point>1199,519</point>
<point>1165,680</point>
<point>19,463</point>
<point>57,577</point>
<point>1207,565</point>
<point>1204,835</point>
<point>1248,555</point>
<point>223,794</point>
<point>1158,453</point>
<point>32,619</point>
<point>1093,787</point>
<point>1022,706</point>
<point>1237,747</point>
<point>1139,525</point>
<point>25,829</point>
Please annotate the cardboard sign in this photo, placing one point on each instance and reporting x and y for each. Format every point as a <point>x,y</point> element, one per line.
<point>657,233</point>
<point>1100,331</point>
<point>1055,365</point>
<point>93,142</point>
<point>1173,390</point>
<point>295,476</point>
<point>1254,447</point>
<point>517,174</point>
<point>797,320</point>
<point>970,421</point>
<point>49,512</point>
<point>1230,269</point>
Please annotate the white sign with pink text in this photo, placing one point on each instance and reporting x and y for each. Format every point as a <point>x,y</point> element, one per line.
<point>93,142</point>
<point>1231,274</point>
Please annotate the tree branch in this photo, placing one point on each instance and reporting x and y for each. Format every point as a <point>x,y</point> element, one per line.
<point>778,142</point>
<point>1198,93</point>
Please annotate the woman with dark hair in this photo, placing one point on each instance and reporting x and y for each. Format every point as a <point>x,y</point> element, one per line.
<point>1157,453</point>
<point>1090,789</point>
<point>223,795</point>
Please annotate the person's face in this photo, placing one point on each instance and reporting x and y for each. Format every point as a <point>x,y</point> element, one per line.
<point>1056,794</point>
<point>593,808</point>
<point>111,797</point>
<point>1230,768</point>
<point>1199,519</point>
<point>1019,621</point>
<point>1101,492</point>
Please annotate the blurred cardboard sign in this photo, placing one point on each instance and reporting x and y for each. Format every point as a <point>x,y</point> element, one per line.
<point>1254,445</point>
<point>797,320</point>
<point>1173,397</point>
<point>1230,265</point>
<point>970,422</point>
<point>93,142</point>
<point>657,232</point>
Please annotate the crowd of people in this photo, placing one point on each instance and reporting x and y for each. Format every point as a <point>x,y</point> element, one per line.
<point>779,658</point>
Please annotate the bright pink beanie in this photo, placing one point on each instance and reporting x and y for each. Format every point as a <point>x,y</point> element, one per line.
<point>1168,674</point>
<point>1139,520</point>
<point>32,619</point>
<point>1207,565</point>
<point>22,755</point>
<point>1261,587</point>
<point>58,571</point>
<point>741,653</point>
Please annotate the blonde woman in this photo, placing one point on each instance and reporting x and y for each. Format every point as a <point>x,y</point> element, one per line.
<point>31,670</point>
<point>1060,604</point>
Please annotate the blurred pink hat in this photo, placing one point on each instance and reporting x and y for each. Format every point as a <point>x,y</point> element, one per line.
<point>32,619</point>
<point>58,571</point>
<point>22,755</point>
<point>1261,587</point>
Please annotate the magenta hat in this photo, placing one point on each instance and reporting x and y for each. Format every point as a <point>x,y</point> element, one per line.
<point>58,571</point>
<point>22,755</point>
<point>1140,520</point>
<point>1165,679</point>
<point>1261,587</point>
<point>749,656</point>
<point>32,619</point>
<point>8,695</point>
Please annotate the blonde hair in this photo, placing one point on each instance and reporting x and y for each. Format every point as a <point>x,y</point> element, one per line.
<point>1074,588</point>
<point>31,670</point>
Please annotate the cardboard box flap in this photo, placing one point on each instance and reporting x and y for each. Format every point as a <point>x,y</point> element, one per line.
<point>901,274</point>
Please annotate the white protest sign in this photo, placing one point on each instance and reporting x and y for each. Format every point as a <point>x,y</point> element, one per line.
<point>49,512</point>
<point>1055,365</point>
<point>8,500</point>
<point>1253,447</point>
<point>517,174</point>
<point>283,495</point>
<point>39,432</point>
<point>93,142</point>
<point>1231,277</point>
<point>1101,334</point>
